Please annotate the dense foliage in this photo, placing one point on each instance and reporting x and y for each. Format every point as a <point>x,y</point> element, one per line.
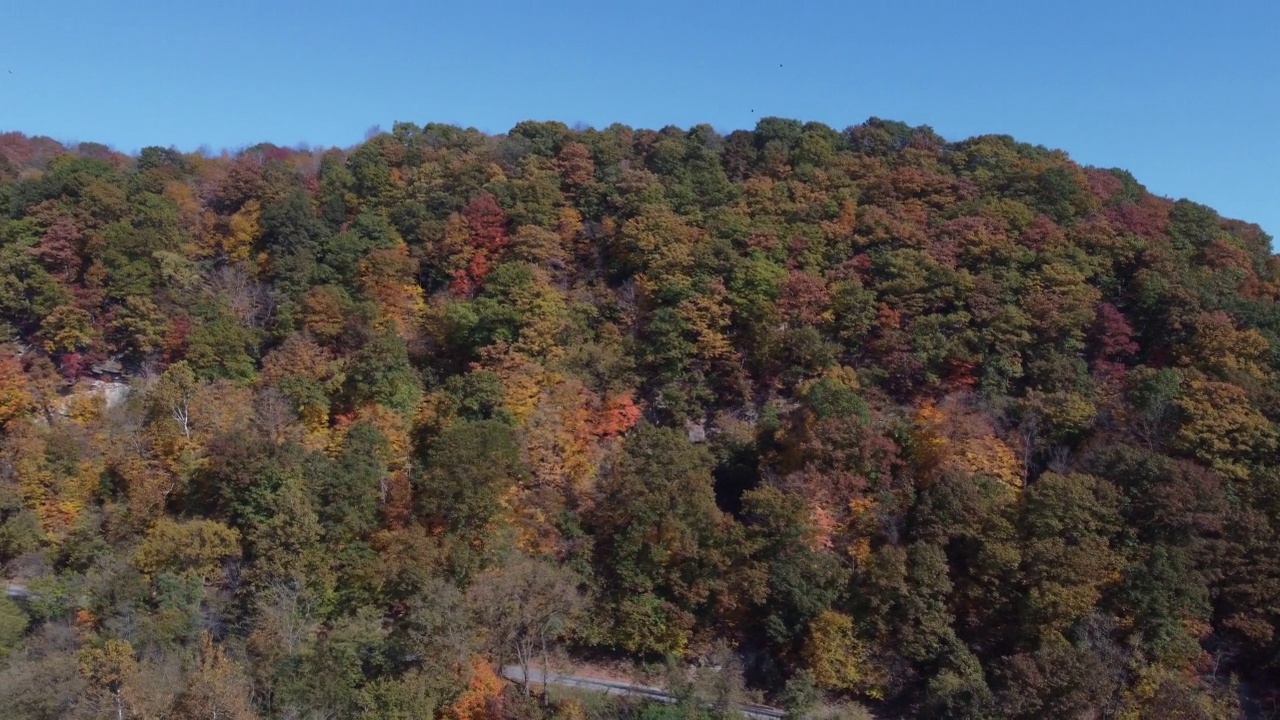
<point>950,429</point>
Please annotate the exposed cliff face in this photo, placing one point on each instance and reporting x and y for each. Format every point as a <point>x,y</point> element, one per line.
<point>113,394</point>
<point>90,396</point>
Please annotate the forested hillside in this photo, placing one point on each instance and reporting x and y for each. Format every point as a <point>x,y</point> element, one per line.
<point>948,429</point>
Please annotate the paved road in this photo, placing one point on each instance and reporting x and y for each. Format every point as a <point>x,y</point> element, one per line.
<point>513,672</point>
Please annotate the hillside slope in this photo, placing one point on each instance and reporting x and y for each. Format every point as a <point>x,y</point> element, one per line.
<point>955,429</point>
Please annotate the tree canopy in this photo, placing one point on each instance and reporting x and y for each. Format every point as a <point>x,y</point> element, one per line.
<point>945,428</point>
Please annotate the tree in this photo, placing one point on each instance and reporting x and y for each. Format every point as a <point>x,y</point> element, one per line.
<point>833,653</point>
<point>15,400</point>
<point>802,579</point>
<point>139,327</point>
<point>13,624</point>
<point>1221,428</point>
<point>292,236</point>
<point>218,688</point>
<point>110,669</point>
<point>478,695</point>
<point>525,605</point>
<point>661,541</point>
<point>197,548</point>
<point>350,489</point>
<point>222,347</point>
<point>1068,522</point>
<point>172,395</point>
<point>438,632</point>
<point>467,471</point>
<point>713,688</point>
<point>67,329</point>
<point>380,373</point>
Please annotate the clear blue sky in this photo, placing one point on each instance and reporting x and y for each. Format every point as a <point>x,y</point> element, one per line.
<point>1183,93</point>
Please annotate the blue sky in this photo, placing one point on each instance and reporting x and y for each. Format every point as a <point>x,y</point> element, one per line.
<point>1185,94</point>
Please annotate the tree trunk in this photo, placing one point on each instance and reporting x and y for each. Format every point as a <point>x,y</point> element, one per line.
<point>523,655</point>
<point>543,637</point>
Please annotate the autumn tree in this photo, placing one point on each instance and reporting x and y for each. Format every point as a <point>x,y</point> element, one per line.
<point>524,606</point>
<point>662,544</point>
<point>218,687</point>
<point>110,669</point>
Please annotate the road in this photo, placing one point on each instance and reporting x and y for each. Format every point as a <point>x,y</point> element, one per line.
<point>512,672</point>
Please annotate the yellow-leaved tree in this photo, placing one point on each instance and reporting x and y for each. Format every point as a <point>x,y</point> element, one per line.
<point>389,277</point>
<point>834,654</point>
<point>951,436</point>
<point>243,230</point>
<point>56,492</point>
<point>15,399</point>
<point>195,548</point>
<point>1221,427</point>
